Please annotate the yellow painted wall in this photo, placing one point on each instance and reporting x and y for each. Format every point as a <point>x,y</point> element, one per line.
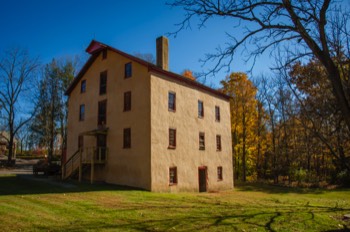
<point>187,157</point>
<point>124,166</point>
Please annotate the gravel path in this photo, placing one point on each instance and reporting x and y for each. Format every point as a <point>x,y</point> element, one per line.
<point>22,167</point>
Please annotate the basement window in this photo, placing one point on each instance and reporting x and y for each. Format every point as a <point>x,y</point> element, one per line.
<point>172,176</point>
<point>219,173</point>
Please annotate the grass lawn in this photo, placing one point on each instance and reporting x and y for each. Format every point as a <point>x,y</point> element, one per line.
<point>37,205</point>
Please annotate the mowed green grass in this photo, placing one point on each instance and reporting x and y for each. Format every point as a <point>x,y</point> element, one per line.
<point>28,205</point>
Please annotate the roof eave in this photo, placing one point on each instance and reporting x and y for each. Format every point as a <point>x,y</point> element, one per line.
<point>94,49</point>
<point>188,81</point>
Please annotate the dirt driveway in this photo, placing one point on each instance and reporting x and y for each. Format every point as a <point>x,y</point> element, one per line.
<point>22,167</point>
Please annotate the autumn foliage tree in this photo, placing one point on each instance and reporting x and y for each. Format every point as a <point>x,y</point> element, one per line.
<point>189,74</point>
<point>321,116</point>
<point>244,115</point>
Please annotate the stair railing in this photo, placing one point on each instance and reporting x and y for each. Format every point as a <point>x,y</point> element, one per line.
<point>71,165</point>
<point>88,155</point>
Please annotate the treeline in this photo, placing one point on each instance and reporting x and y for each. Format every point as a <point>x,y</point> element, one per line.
<point>33,106</point>
<point>289,127</point>
<point>286,127</point>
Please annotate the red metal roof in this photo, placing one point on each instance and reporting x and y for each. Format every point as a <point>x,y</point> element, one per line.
<point>96,47</point>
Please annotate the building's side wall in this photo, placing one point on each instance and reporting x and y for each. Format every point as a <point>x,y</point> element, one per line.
<point>124,166</point>
<point>187,157</point>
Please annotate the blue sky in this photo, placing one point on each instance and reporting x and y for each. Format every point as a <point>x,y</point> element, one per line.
<point>57,28</point>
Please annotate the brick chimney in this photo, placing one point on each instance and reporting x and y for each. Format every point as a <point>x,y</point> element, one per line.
<point>162,53</point>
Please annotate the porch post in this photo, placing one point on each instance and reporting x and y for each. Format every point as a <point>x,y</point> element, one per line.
<point>80,164</point>
<point>92,169</point>
<point>63,171</point>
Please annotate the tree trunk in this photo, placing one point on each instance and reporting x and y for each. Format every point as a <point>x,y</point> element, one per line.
<point>10,153</point>
<point>237,167</point>
<point>244,158</point>
<point>258,162</point>
<point>338,91</point>
<point>22,146</point>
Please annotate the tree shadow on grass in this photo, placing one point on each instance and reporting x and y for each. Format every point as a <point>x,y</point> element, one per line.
<point>210,222</point>
<point>29,184</point>
<point>276,189</point>
<point>177,223</point>
<point>155,214</point>
<point>345,229</point>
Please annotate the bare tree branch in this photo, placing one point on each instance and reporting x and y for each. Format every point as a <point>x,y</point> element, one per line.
<point>304,25</point>
<point>16,74</point>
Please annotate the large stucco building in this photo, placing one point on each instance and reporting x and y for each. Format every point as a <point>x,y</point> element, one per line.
<point>134,123</point>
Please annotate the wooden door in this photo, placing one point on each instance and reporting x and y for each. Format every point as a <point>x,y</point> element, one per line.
<point>202,177</point>
<point>101,147</point>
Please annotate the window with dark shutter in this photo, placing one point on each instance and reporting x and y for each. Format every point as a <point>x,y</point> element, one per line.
<point>127,101</point>
<point>80,141</point>
<point>103,82</point>
<point>217,113</point>
<point>127,138</point>
<point>104,54</point>
<point>171,101</point>
<point>102,111</point>
<point>201,141</point>
<point>220,173</point>
<point>200,109</point>
<point>83,86</point>
<point>128,70</point>
<point>82,112</point>
<point>218,142</point>
<point>172,138</point>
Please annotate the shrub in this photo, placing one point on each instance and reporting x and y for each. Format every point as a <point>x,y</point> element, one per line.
<point>300,175</point>
<point>343,178</point>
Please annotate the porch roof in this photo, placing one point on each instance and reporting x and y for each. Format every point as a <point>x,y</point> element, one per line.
<point>98,131</point>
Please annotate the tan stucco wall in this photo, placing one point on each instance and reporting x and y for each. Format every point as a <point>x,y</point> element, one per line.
<point>124,166</point>
<point>187,157</point>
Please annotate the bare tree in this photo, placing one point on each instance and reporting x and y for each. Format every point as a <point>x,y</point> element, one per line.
<point>146,57</point>
<point>50,122</point>
<point>17,70</point>
<point>318,28</point>
<point>267,94</point>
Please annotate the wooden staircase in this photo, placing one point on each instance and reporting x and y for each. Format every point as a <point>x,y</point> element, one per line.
<point>84,157</point>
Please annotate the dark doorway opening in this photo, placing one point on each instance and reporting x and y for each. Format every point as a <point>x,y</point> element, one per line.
<point>101,146</point>
<point>202,177</point>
